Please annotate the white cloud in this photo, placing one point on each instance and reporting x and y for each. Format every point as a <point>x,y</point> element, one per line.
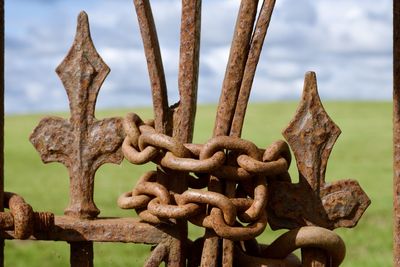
<point>347,42</point>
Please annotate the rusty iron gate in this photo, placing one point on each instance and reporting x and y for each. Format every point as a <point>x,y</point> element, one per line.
<point>228,186</point>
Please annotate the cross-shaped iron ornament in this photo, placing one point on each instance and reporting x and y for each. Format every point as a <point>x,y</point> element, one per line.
<point>81,143</point>
<point>311,135</point>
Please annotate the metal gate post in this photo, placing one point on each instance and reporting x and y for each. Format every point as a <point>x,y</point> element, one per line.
<point>234,208</point>
<point>396,132</point>
<point>1,122</point>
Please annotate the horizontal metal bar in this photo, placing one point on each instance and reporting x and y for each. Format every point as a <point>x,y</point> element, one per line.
<point>126,230</point>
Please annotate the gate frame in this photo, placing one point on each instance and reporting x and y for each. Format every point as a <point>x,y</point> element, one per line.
<point>396,142</point>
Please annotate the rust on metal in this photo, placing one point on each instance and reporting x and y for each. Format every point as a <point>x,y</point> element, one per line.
<point>228,186</point>
<point>184,113</point>
<point>83,143</point>
<point>225,112</point>
<point>177,120</point>
<point>158,255</point>
<point>1,121</point>
<point>311,135</point>
<point>396,133</point>
<point>127,230</point>
<point>21,219</point>
<point>256,45</point>
<point>248,158</point>
<point>308,237</point>
<point>154,66</point>
<point>236,65</point>
<point>81,254</point>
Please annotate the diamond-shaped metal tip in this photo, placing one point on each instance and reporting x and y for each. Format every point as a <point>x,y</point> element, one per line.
<point>311,135</point>
<point>82,71</point>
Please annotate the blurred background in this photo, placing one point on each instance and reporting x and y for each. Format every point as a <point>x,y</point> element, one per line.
<point>347,42</point>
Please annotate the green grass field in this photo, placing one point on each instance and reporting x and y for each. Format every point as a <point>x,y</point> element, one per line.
<point>363,152</point>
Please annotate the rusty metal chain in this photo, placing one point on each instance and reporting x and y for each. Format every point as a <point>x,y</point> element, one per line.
<point>307,236</point>
<point>248,166</point>
<point>21,218</point>
<point>142,145</point>
<point>240,177</point>
<point>155,204</point>
<point>279,252</point>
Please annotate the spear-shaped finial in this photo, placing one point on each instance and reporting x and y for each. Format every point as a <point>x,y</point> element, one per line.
<point>83,143</point>
<point>311,135</point>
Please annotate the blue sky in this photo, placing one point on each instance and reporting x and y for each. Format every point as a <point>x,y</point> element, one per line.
<point>347,42</point>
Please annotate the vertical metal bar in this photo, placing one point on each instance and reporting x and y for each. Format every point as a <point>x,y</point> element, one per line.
<point>188,69</point>
<point>314,257</point>
<point>396,133</point>
<point>230,91</point>
<point>225,113</point>
<point>235,67</point>
<point>253,55</point>
<point>256,46</point>
<point>2,123</point>
<point>184,114</point>
<point>155,66</point>
<point>81,254</point>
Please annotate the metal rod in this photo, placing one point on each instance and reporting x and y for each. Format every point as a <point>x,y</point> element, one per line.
<point>81,254</point>
<point>2,123</point>
<point>127,230</point>
<point>236,65</point>
<point>314,257</point>
<point>253,57</point>
<point>209,255</point>
<point>243,97</point>
<point>226,107</point>
<point>184,114</point>
<point>155,65</point>
<point>157,256</point>
<point>396,132</point>
<point>188,69</point>
<point>257,42</point>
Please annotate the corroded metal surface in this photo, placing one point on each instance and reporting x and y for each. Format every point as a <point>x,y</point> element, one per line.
<point>396,133</point>
<point>308,237</point>
<point>177,120</point>
<point>81,254</point>
<point>21,219</point>
<point>127,230</point>
<point>238,63</point>
<point>1,121</point>
<point>154,65</point>
<point>160,206</point>
<point>312,135</point>
<point>228,186</point>
<point>81,143</point>
<point>249,72</point>
<point>272,163</point>
<point>185,111</point>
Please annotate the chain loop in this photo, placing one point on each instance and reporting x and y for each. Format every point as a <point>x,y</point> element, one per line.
<point>184,211</point>
<point>142,144</point>
<point>22,214</point>
<point>247,165</point>
<point>308,236</point>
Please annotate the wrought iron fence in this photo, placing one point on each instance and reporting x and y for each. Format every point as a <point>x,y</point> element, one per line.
<point>228,185</point>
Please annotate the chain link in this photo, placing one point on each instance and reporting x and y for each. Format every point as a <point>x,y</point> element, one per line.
<point>248,166</point>
<point>22,219</point>
<point>142,145</point>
